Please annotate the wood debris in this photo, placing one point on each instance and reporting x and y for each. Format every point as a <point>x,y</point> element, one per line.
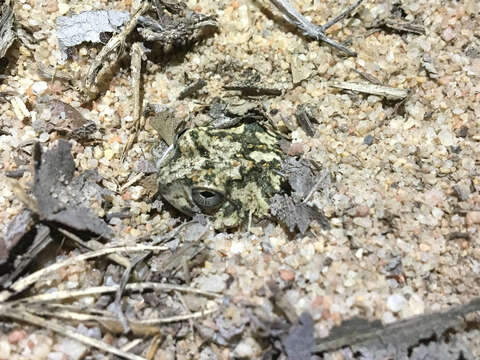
<point>7,35</point>
<point>400,25</point>
<point>293,16</point>
<point>387,92</point>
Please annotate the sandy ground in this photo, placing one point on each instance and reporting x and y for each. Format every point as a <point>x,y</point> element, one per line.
<point>404,208</point>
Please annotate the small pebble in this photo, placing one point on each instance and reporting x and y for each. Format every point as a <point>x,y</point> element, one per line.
<point>462,190</point>
<point>39,87</point>
<point>455,149</point>
<point>73,349</point>
<point>396,303</point>
<point>16,335</point>
<point>368,140</point>
<point>5,348</point>
<point>287,275</point>
<point>63,8</point>
<point>364,222</point>
<point>109,153</point>
<point>296,149</point>
<point>424,247</point>
<point>388,318</point>
<point>136,192</point>
<point>473,217</point>
<point>247,349</point>
<point>462,132</point>
<point>434,197</point>
<point>362,211</point>
<point>44,137</point>
<point>446,137</point>
<point>448,34</point>
<point>213,283</point>
<point>51,6</point>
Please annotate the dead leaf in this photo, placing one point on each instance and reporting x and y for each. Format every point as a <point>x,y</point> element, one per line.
<point>61,197</point>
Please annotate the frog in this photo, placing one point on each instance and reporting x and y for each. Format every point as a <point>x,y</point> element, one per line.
<point>229,174</point>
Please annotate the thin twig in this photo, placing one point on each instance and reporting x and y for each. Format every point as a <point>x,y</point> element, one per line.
<point>313,189</point>
<point>23,283</point>
<point>182,300</point>
<point>130,345</point>
<point>342,16</point>
<point>123,283</point>
<point>95,245</point>
<point>115,44</point>
<point>387,92</point>
<point>153,348</point>
<point>195,315</point>
<point>294,17</point>
<point>112,323</point>
<point>21,314</point>
<point>97,290</point>
<point>77,316</point>
<point>138,52</point>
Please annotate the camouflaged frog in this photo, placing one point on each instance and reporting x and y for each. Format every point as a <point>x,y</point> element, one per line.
<point>230,174</point>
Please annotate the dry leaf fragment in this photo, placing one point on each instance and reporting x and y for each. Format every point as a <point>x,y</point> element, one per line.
<point>61,197</point>
<point>88,26</point>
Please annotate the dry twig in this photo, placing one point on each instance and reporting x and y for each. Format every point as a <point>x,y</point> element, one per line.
<point>97,290</point>
<point>115,44</point>
<point>25,282</point>
<point>387,92</point>
<point>294,17</point>
<point>21,314</point>
<point>138,52</point>
<point>95,245</point>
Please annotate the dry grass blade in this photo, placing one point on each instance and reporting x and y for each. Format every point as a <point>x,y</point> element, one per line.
<point>20,314</point>
<point>136,287</point>
<point>387,92</point>
<point>194,315</point>
<point>156,341</point>
<point>20,193</point>
<point>138,52</point>
<point>121,288</point>
<point>114,325</point>
<point>95,245</point>
<point>131,344</point>
<point>23,283</point>
<point>294,17</point>
<point>110,323</point>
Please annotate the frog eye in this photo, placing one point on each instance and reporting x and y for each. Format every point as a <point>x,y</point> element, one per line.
<point>207,199</point>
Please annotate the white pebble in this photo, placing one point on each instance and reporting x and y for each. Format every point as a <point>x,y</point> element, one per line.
<point>39,87</point>
<point>446,137</point>
<point>237,247</point>
<point>63,8</point>
<point>396,303</point>
<point>44,137</point>
<point>364,222</point>
<point>72,348</point>
<point>136,192</point>
<point>5,347</point>
<point>247,349</point>
<point>214,283</point>
<point>388,318</point>
<point>243,16</point>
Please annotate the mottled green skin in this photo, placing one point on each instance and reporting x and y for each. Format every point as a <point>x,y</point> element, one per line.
<point>242,163</point>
